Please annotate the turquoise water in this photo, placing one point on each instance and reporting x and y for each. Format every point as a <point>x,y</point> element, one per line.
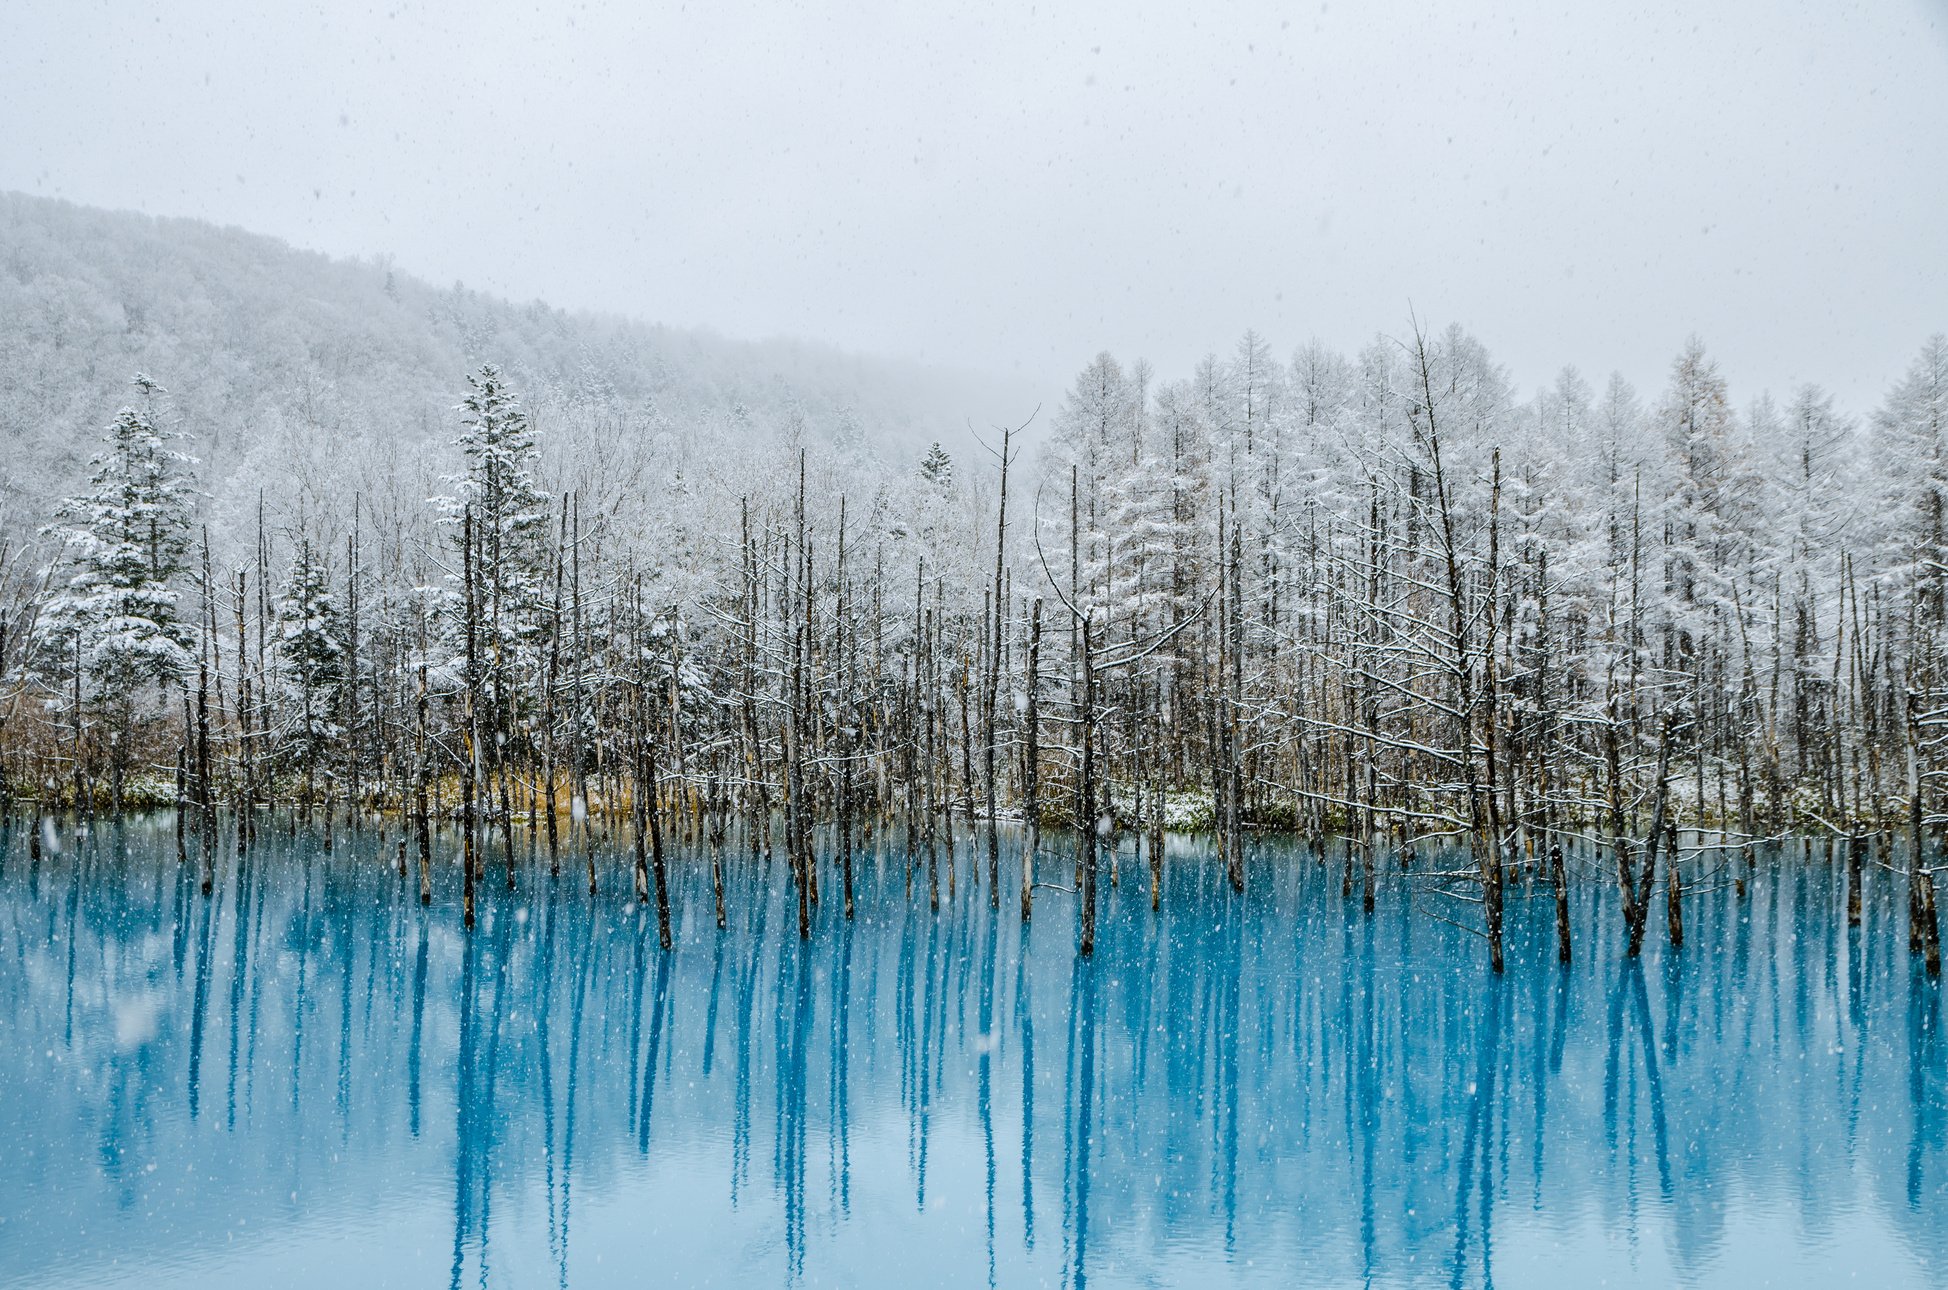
<point>309,1080</point>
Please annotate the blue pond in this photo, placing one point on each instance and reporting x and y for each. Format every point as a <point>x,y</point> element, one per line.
<point>309,1080</point>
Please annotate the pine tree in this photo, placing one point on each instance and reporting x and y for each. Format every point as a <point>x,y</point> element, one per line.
<point>311,649</point>
<point>937,468</point>
<point>502,626</point>
<point>510,515</point>
<point>128,541</point>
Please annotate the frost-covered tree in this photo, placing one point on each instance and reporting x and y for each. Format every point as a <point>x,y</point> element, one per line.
<point>126,541</point>
<point>1810,468</point>
<point>509,514</point>
<point>1141,528</point>
<point>934,511</point>
<point>1706,491</point>
<point>1909,445</point>
<point>1092,438</point>
<point>937,468</point>
<point>113,632</point>
<point>311,654</point>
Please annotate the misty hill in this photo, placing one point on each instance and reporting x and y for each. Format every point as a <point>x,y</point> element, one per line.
<point>305,375</point>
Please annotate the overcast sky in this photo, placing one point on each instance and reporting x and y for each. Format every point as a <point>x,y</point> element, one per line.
<point>1013,188</point>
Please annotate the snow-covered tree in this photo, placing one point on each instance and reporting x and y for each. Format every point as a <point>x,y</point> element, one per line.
<point>1093,436</point>
<point>311,653</point>
<point>937,468</point>
<point>1810,467</point>
<point>1909,446</point>
<point>509,512</point>
<point>126,541</point>
<point>1708,490</point>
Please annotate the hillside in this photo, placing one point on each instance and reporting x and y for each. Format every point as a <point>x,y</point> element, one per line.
<point>304,375</point>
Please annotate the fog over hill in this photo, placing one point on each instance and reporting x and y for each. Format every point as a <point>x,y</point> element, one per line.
<point>313,379</point>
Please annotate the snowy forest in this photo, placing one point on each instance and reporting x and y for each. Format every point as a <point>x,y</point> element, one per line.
<point>527,595</point>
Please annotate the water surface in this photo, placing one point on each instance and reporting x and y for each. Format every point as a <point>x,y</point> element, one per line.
<point>309,1080</point>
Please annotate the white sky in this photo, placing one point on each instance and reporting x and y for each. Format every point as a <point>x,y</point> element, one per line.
<point>1012,188</point>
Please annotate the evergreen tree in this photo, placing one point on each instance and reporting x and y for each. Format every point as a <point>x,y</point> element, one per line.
<point>127,540</point>
<point>311,650</point>
<point>937,468</point>
<point>510,512</point>
<point>934,511</point>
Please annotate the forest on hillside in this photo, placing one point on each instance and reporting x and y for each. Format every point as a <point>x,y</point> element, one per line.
<point>309,381</point>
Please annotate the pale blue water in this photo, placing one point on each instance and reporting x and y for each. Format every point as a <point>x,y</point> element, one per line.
<point>311,1081</point>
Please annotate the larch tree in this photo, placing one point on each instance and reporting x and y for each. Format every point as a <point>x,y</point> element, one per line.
<point>1908,440</point>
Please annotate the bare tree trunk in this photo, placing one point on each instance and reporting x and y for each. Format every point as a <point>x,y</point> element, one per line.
<point>246,778</point>
<point>549,770</point>
<point>1924,930</point>
<point>1637,907</point>
<point>1085,796</point>
<point>1154,839</point>
<point>718,810</point>
<point>649,788</point>
<point>1561,882</point>
<point>469,774</point>
<point>1674,890</point>
<point>204,785</point>
<point>1856,854</point>
<point>1031,764</point>
<point>182,802</point>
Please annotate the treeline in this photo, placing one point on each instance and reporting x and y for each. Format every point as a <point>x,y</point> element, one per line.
<point>1376,599</point>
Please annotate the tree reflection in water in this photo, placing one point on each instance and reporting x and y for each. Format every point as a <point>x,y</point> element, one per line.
<point>1252,1090</point>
